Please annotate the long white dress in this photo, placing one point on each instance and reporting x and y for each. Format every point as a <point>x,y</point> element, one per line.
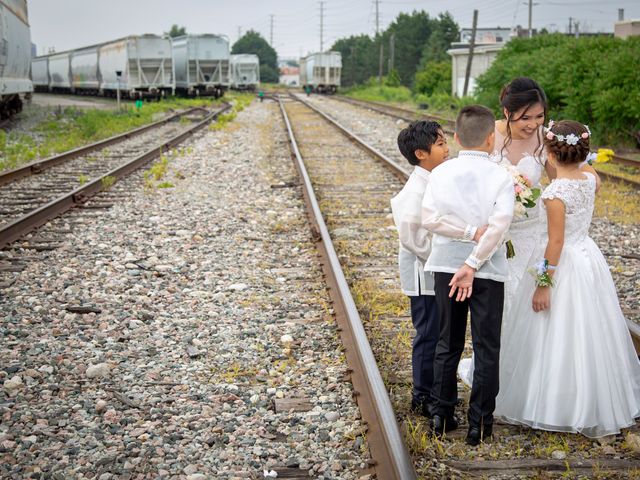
<point>573,367</point>
<point>524,235</point>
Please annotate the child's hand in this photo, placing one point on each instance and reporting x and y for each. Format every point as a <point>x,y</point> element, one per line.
<point>462,281</point>
<point>541,299</point>
<point>479,232</point>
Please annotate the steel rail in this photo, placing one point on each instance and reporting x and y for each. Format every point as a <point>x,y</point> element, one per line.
<point>39,166</point>
<point>27,223</point>
<point>410,116</point>
<point>405,114</point>
<point>390,457</point>
<point>634,328</point>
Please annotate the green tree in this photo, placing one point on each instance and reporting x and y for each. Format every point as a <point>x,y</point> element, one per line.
<point>445,32</point>
<point>358,58</point>
<point>435,77</point>
<point>252,42</point>
<point>176,31</point>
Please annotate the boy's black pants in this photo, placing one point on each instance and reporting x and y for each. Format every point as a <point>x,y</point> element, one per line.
<point>485,303</point>
<point>425,320</point>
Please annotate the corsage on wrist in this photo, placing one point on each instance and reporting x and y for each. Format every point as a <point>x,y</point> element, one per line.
<point>541,272</point>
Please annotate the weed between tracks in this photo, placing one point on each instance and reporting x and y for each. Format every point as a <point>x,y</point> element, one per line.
<point>64,129</point>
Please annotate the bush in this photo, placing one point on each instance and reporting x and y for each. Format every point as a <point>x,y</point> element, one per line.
<point>594,80</point>
<point>373,91</point>
<point>434,77</point>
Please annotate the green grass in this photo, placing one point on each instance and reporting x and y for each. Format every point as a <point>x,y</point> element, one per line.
<point>73,127</point>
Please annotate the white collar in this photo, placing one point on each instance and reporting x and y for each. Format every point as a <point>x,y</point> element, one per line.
<point>474,153</point>
<point>421,172</point>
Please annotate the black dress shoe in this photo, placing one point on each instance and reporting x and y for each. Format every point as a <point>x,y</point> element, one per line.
<point>474,435</point>
<point>421,408</point>
<point>440,424</point>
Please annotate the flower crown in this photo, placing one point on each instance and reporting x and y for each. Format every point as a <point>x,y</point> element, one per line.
<point>570,139</point>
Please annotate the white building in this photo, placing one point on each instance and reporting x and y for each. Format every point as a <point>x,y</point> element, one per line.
<point>483,57</point>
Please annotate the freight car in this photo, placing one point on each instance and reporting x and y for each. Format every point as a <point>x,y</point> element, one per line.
<point>15,56</point>
<point>245,71</point>
<point>201,64</point>
<point>139,65</point>
<point>321,72</point>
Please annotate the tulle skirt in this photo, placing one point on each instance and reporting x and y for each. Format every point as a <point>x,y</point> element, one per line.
<point>573,367</point>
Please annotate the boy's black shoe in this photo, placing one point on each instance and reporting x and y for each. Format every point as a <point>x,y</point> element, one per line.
<point>421,407</point>
<point>440,424</point>
<point>474,437</point>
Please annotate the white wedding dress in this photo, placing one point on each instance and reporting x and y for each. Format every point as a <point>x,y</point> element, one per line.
<point>573,367</point>
<point>524,234</point>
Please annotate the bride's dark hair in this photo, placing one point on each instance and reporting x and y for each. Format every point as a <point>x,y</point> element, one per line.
<point>522,92</point>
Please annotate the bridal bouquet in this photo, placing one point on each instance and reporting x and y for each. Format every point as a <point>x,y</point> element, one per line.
<point>526,195</point>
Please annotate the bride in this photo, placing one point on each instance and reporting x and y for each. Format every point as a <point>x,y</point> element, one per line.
<point>519,142</point>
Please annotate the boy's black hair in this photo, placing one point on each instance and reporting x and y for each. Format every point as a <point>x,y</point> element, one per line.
<point>473,124</point>
<point>419,135</point>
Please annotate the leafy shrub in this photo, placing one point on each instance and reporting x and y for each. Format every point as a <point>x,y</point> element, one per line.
<point>594,80</point>
<point>434,77</point>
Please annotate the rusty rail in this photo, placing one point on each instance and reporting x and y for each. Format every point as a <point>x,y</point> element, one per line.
<point>390,457</point>
<point>39,166</point>
<point>29,222</point>
<point>634,328</point>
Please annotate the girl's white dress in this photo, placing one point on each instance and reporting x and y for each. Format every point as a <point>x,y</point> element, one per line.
<point>573,367</point>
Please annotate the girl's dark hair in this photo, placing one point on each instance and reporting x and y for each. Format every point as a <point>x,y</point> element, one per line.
<point>522,92</point>
<point>419,135</point>
<point>562,151</point>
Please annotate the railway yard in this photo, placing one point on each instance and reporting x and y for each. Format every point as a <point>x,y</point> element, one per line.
<point>216,313</point>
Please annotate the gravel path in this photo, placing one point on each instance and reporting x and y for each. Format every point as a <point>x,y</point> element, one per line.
<point>213,322</point>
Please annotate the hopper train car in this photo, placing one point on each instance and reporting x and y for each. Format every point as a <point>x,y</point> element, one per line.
<point>15,56</point>
<point>320,72</point>
<point>245,71</point>
<point>139,65</point>
<point>201,64</point>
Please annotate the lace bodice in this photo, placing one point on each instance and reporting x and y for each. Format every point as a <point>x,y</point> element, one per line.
<point>578,198</point>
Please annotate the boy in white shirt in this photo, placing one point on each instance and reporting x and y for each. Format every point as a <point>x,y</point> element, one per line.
<point>463,194</point>
<point>424,145</point>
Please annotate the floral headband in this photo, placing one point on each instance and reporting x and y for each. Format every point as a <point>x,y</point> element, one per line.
<point>571,139</point>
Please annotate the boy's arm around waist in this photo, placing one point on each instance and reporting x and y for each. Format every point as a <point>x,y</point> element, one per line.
<point>498,224</point>
<point>450,226</point>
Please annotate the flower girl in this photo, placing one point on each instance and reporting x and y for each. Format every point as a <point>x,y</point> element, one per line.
<point>568,360</point>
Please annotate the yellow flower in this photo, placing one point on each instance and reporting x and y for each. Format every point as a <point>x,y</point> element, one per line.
<point>604,155</point>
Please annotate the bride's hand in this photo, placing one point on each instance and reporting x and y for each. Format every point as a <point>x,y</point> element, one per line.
<point>541,299</point>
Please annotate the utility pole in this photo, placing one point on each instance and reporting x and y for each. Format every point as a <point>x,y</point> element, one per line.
<point>471,47</point>
<point>392,50</point>
<point>321,27</point>
<point>381,45</point>
<point>530,14</point>
<point>239,32</point>
<point>570,24</point>
<point>271,34</point>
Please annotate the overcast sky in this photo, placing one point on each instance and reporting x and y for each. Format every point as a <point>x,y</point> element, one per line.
<point>66,24</point>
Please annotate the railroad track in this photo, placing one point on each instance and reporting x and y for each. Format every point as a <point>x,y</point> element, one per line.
<point>70,179</point>
<point>351,193</point>
<point>449,126</point>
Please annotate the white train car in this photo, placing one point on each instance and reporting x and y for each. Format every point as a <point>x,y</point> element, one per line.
<point>15,56</point>
<point>85,76</point>
<point>245,71</point>
<point>201,64</point>
<point>60,72</point>
<point>140,66</point>
<point>321,72</point>
<point>40,74</point>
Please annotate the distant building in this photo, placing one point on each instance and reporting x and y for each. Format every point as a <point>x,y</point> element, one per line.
<point>626,28</point>
<point>483,57</point>
<point>289,76</point>
<point>485,35</point>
